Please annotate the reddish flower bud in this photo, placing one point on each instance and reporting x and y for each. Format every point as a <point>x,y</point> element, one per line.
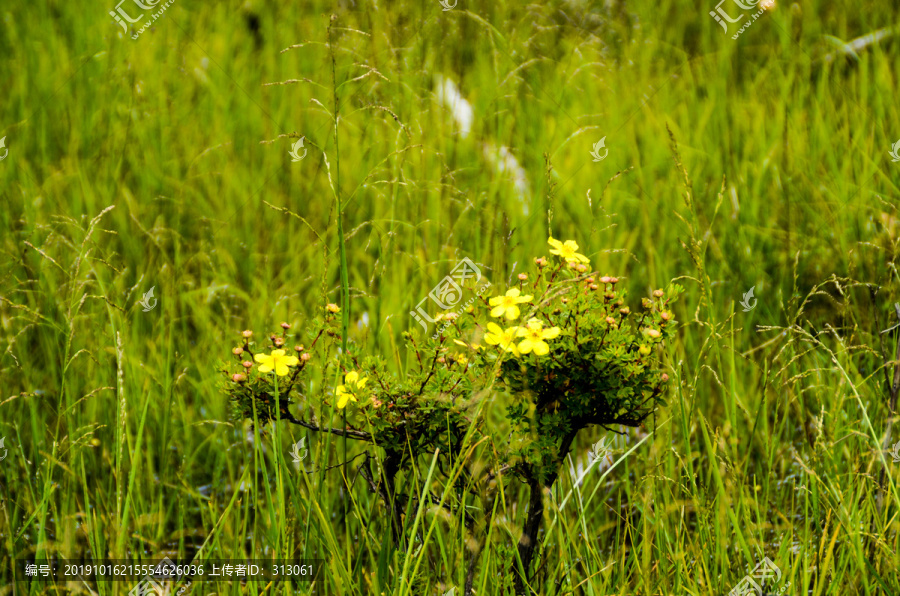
<point>605,279</point>
<point>247,364</point>
<point>278,341</point>
<point>237,351</point>
<point>299,348</point>
<point>664,378</point>
<point>305,356</point>
<point>659,293</point>
<point>285,326</point>
<point>247,334</point>
<point>238,377</point>
<point>523,276</point>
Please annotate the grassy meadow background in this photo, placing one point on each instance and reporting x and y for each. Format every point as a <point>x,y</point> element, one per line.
<point>163,162</point>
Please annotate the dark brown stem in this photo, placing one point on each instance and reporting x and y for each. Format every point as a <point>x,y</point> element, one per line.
<point>529,539</point>
<point>350,434</point>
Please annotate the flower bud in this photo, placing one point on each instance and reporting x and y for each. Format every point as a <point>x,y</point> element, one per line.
<point>664,378</point>
<point>238,377</point>
<point>605,279</point>
<point>645,302</point>
<point>581,268</point>
<point>614,280</point>
<point>442,360</point>
<point>278,341</point>
<point>609,295</point>
<point>305,356</point>
<point>299,348</point>
<point>645,350</point>
<point>523,277</point>
<point>654,333</point>
<point>659,293</point>
<point>589,280</point>
<point>247,364</point>
<point>285,326</point>
<point>564,300</point>
<point>611,322</point>
<point>665,316</point>
<point>237,351</point>
<point>333,308</point>
<point>540,262</point>
<point>556,311</point>
<point>594,287</point>
<point>625,310</point>
<point>247,334</point>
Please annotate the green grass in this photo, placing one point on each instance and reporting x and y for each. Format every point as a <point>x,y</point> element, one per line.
<point>140,163</point>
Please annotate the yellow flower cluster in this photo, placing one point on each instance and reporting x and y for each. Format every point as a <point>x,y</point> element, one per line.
<point>347,392</point>
<point>533,335</point>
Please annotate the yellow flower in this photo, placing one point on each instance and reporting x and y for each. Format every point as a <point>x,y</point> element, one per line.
<point>276,361</point>
<point>506,305</point>
<point>568,251</point>
<point>505,339</point>
<point>333,308</point>
<point>475,347</point>
<point>535,334</point>
<point>347,391</point>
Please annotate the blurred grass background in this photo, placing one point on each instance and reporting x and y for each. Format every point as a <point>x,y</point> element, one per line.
<point>119,438</point>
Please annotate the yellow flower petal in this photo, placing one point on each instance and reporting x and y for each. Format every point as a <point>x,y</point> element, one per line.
<point>267,367</point>
<point>262,358</point>
<point>496,300</point>
<point>512,312</point>
<point>513,292</point>
<point>361,383</point>
<point>277,353</point>
<point>498,311</point>
<point>525,346</point>
<point>551,333</point>
<point>351,377</point>
<point>541,348</point>
<point>292,361</point>
<point>281,369</point>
